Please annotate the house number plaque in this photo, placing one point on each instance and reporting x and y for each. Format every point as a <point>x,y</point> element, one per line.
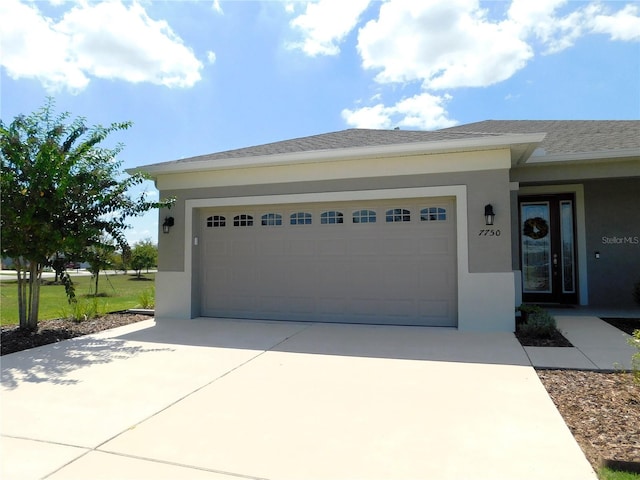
<point>489,232</point>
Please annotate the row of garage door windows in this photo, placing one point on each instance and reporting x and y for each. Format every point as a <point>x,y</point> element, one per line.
<point>429,214</point>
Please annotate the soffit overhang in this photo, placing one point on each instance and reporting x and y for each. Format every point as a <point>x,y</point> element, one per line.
<point>521,146</point>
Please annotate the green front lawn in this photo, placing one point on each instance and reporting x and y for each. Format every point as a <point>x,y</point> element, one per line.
<point>607,474</point>
<point>116,292</point>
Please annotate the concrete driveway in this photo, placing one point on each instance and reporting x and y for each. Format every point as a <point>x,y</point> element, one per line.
<point>225,399</point>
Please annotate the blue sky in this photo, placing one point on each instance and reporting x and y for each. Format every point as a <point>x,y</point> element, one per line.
<point>204,76</point>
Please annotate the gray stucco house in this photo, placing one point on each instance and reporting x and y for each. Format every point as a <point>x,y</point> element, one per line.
<point>453,227</point>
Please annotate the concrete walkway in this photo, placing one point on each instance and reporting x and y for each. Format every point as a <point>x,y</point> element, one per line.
<point>224,399</point>
<point>596,346</point>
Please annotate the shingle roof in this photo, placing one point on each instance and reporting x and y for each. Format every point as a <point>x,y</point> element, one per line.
<point>351,138</point>
<point>562,137</point>
<point>565,136</point>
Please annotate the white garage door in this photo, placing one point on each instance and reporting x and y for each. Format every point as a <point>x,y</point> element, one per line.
<point>391,262</point>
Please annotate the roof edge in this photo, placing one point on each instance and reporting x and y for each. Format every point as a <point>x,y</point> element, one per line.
<point>531,140</point>
<point>584,156</point>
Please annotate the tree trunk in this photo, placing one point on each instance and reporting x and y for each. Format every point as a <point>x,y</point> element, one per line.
<point>22,298</point>
<point>33,297</point>
<point>97,278</point>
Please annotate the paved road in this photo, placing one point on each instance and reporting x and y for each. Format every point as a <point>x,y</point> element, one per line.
<point>11,274</point>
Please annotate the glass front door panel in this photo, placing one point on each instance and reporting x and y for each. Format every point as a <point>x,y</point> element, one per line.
<point>566,233</point>
<point>536,247</point>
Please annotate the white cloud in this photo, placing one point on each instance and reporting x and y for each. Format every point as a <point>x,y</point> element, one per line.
<point>368,117</point>
<point>441,44</point>
<point>541,20</point>
<point>325,24</point>
<point>454,44</point>
<point>33,48</point>
<point>104,40</point>
<point>216,7</point>
<point>623,25</point>
<point>211,57</point>
<point>422,111</point>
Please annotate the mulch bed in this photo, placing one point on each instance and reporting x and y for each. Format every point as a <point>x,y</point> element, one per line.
<point>13,339</point>
<point>555,340</point>
<point>602,410</point>
<point>627,325</point>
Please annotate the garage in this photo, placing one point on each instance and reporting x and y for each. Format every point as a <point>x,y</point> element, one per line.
<point>375,262</point>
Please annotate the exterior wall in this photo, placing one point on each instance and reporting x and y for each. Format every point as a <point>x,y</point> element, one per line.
<point>486,253</point>
<point>562,172</point>
<point>612,209</point>
<point>608,222</point>
<point>484,272</point>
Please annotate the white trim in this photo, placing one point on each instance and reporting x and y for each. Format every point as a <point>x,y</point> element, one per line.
<point>196,164</point>
<point>581,230</point>
<point>584,156</point>
<point>325,197</point>
<point>465,286</point>
<point>472,288</point>
<point>457,191</point>
<point>347,169</point>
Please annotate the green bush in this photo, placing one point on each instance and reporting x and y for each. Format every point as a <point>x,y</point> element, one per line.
<point>634,341</point>
<point>82,310</point>
<point>539,323</point>
<point>527,309</point>
<point>147,298</point>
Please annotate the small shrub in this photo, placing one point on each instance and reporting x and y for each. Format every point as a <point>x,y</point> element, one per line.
<point>147,298</point>
<point>539,324</point>
<point>634,341</point>
<point>83,310</point>
<point>526,310</point>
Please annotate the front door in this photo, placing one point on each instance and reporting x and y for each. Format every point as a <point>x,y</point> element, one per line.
<point>547,249</point>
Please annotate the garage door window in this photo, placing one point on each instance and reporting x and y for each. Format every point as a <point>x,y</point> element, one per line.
<point>216,221</point>
<point>398,215</point>
<point>300,218</point>
<point>331,217</point>
<point>364,216</point>
<point>242,221</point>
<point>433,214</point>
<point>271,219</point>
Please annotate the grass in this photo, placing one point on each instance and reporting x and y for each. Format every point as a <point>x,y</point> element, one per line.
<point>608,474</point>
<point>116,292</point>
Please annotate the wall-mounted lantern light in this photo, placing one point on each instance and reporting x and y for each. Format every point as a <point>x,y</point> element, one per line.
<point>489,216</point>
<point>168,223</point>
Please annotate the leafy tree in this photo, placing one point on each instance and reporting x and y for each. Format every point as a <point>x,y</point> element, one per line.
<point>122,259</point>
<point>60,192</point>
<point>58,263</point>
<point>144,254</point>
<point>100,256</point>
